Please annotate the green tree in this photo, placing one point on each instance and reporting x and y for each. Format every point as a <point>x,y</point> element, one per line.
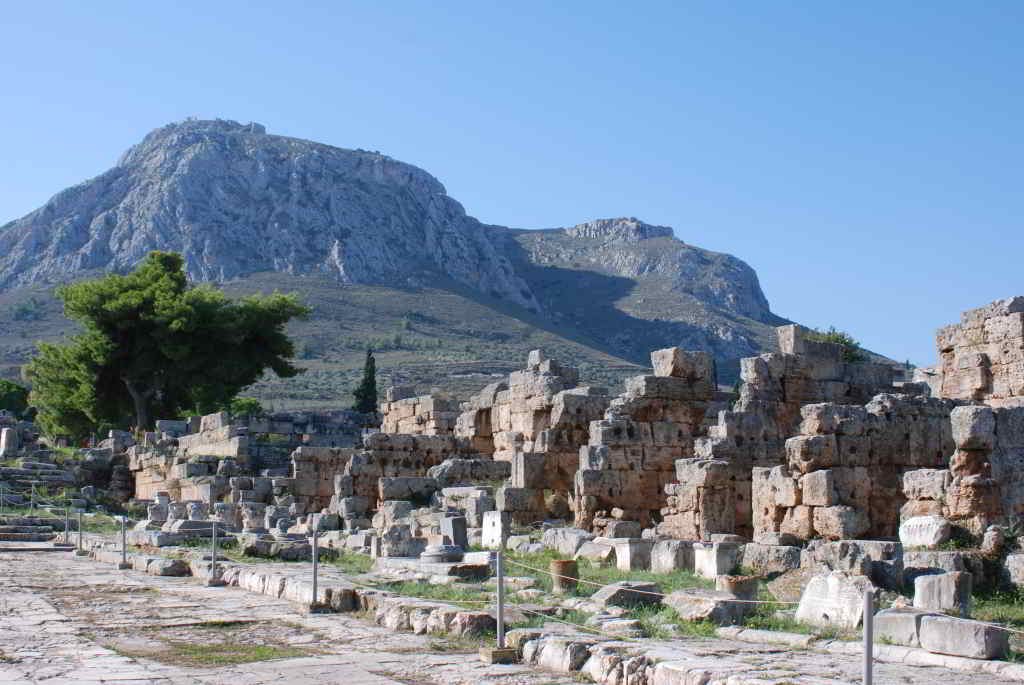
<point>852,351</point>
<point>13,397</point>
<point>245,406</point>
<point>366,392</point>
<point>152,345</point>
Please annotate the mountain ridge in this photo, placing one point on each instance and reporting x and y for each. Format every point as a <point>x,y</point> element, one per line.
<point>237,201</point>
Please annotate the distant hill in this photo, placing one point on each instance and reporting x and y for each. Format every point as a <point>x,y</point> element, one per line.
<point>385,257</point>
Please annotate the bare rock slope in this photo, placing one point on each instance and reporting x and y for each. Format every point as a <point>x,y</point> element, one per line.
<point>237,201</point>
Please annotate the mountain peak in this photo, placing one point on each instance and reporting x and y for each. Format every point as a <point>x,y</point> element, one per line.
<point>623,229</point>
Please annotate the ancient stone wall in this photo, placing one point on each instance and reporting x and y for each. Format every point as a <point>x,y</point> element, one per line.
<point>984,481</point>
<point>754,432</point>
<point>631,453</point>
<point>844,469</point>
<point>425,415</point>
<point>982,357</point>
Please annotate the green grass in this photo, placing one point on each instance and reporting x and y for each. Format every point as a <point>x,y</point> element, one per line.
<point>352,562</point>
<point>1006,607</point>
<point>445,593</point>
<point>602,575</point>
<point>654,619</point>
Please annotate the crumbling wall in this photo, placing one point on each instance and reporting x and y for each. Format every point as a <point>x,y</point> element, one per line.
<point>844,469</point>
<point>774,387</point>
<point>631,453</point>
<point>424,415</point>
<point>982,357</point>
<point>984,481</point>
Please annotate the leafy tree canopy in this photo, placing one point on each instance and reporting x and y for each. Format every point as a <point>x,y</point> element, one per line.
<point>852,351</point>
<point>13,397</point>
<point>152,345</point>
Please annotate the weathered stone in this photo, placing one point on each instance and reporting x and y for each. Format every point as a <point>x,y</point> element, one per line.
<point>770,560</point>
<point>818,489</point>
<point>974,427</point>
<point>835,600</point>
<point>669,556</point>
<point>949,592</point>
<point>839,522</point>
<point>633,555</point>
<point>715,559</point>
<point>948,635</point>
<point>627,593</point>
<point>708,605</point>
<point>565,540</point>
<point>495,530</point>
<point>925,531</point>
<point>899,626</point>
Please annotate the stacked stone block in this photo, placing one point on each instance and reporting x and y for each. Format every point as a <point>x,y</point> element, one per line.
<point>631,453</point>
<point>424,415</point>
<point>844,470</point>
<point>982,357</point>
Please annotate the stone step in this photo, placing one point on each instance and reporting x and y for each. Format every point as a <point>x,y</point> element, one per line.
<point>26,537</point>
<point>37,530</point>
<point>38,465</point>
<point>27,521</point>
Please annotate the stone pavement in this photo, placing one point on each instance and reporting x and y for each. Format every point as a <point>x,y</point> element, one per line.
<point>67,619</point>
<point>57,611</point>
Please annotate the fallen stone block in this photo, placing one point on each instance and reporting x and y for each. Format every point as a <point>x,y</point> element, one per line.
<point>925,531</point>
<point>944,592</point>
<point>168,567</point>
<point>900,626</point>
<point>713,559</point>
<point>835,600</point>
<point>770,560</point>
<point>958,637</point>
<point>708,605</point>
<point>633,555</point>
<point>668,556</point>
<point>627,593</point>
<point>566,541</point>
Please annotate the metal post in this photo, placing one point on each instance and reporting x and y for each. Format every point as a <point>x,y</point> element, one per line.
<point>499,567</point>
<point>124,541</point>
<point>67,526</point>
<point>32,504</point>
<point>316,563</point>
<point>869,635</point>
<point>213,551</point>
<point>1,498</point>
<point>81,549</point>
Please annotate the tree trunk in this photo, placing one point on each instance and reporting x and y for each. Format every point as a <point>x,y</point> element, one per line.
<point>140,399</point>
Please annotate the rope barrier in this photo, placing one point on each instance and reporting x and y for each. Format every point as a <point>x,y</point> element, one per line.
<point>639,592</point>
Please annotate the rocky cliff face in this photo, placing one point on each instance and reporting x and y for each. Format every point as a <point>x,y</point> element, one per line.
<point>235,201</point>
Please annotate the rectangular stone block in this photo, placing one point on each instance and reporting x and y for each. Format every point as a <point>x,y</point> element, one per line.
<point>957,637</point>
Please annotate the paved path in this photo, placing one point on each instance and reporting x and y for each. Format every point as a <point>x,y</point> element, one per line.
<point>66,619</point>
<point>57,612</point>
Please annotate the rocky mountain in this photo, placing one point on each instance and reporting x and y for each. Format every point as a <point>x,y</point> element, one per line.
<point>240,203</point>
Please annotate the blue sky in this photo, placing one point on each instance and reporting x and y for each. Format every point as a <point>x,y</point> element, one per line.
<point>865,158</point>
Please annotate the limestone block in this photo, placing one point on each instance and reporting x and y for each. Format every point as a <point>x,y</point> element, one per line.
<point>519,499</point>
<point>453,528</point>
<point>633,555</point>
<point>925,531</point>
<point>840,522</point>
<point>817,489</point>
<point>674,362</point>
<point>949,592</point>
<point>495,529</point>
<point>528,470</point>
<point>798,522</point>
<point>974,427</point>
<point>713,559</point>
<point>927,484</point>
<point>566,541</point>
<point>806,453</point>
<point>627,593</point>
<point>770,560</point>
<point>957,637</point>
<point>623,529</point>
<point>703,472</point>
<point>835,600</point>
<point>599,552</point>
<point>708,605</point>
<point>1013,569</point>
<point>899,626</point>
<point>668,556</point>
